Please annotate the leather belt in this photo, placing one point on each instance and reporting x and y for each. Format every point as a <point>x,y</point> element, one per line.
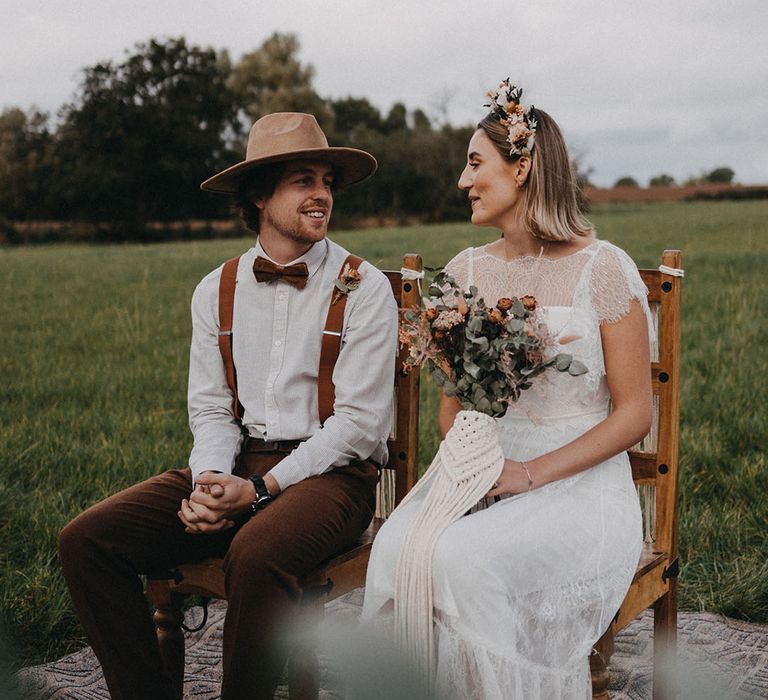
<point>253,444</point>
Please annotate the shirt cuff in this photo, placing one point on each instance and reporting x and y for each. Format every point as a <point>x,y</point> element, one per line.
<point>287,472</point>
<point>210,460</point>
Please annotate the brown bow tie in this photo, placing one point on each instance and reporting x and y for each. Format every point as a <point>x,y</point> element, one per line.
<point>266,271</point>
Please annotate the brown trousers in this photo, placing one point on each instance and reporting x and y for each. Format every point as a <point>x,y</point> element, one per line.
<point>266,558</point>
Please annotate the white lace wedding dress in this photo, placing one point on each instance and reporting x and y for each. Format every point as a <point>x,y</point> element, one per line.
<point>524,587</point>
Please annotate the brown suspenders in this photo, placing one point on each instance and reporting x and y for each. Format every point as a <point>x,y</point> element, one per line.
<point>226,307</point>
<point>329,351</point>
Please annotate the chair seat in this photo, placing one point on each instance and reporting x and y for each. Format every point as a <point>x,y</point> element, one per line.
<point>647,585</point>
<point>342,573</point>
<point>338,575</point>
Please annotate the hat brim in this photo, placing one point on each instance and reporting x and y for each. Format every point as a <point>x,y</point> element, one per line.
<point>352,164</point>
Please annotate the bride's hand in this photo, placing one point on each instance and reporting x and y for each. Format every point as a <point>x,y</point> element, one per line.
<point>513,479</point>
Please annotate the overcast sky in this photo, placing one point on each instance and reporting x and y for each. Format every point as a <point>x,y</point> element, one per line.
<point>639,88</point>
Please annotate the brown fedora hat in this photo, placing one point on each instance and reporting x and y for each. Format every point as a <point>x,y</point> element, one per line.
<point>284,136</point>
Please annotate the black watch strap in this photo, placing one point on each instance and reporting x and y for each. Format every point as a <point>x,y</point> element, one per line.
<point>263,497</point>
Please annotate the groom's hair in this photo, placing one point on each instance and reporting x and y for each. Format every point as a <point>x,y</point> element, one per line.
<point>260,182</point>
<point>549,206</point>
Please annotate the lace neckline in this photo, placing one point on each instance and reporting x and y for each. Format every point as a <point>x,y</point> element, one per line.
<point>540,257</point>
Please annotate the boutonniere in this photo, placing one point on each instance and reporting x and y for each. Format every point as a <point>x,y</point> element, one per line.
<point>346,282</point>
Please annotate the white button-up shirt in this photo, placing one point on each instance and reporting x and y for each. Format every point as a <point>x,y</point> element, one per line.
<point>277,331</point>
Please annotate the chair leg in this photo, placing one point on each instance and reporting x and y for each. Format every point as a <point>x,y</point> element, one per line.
<point>168,617</point>
<point>303,665</point>
<point>665,644</point>
<point>598,665</point>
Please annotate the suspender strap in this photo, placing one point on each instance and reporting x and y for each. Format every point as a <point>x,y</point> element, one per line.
<point>331,346</point>
<point>226,309</point>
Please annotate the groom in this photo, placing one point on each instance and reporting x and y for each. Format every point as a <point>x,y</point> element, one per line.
<point>290,421</point>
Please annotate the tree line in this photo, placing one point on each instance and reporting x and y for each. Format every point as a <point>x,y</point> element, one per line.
<point>722,175</point>
<point>138,137</point>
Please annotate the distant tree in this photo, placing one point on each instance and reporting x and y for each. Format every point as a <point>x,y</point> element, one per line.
<point>581,170</point>
<point>141,136</point>
<point>582,174</point>
<point>440,106</point>
<point>25,164</point>
<point>722,175</point>
<point>273,79</point>
<point>416,177</point>
<point>396,120</point>
<point>420,121</point>
<point>626,181</point>
<point>353,115</point>
<point>662,180</point>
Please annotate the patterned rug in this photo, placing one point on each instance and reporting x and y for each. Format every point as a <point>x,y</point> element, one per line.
<point>718,659</point>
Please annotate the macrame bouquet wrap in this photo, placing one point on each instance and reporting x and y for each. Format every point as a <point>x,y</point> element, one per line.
<point>468,462</point>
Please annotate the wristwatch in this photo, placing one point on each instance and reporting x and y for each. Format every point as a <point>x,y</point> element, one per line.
<point>263,497</point>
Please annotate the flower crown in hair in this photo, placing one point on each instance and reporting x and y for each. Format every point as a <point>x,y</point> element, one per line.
<point>518,118</point>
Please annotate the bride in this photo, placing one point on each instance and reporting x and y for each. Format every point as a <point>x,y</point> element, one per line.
<point>523,588</point>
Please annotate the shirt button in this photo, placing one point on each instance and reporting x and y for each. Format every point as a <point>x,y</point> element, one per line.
<point>278,343</point>
<point>281,297</point>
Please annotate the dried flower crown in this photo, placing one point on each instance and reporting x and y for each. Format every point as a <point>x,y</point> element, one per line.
<point>518,118</point>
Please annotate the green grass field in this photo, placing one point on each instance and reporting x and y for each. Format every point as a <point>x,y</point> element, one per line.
<point>93,376</point>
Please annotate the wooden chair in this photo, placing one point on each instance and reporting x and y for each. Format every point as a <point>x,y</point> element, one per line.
<point>655,472</point>
<point>335,577</point>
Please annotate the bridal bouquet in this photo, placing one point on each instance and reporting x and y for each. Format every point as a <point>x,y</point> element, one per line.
<point>485,357</point>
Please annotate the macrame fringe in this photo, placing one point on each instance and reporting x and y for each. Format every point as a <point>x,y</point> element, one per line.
<point>466,466</point>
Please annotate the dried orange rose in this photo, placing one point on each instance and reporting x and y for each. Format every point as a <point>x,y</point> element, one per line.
<point>495,316</point>
<point>528,302</point>
<point>431,314</point>
<point>505,304</point>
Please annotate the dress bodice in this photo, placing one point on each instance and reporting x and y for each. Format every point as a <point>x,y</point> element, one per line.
<point>576,294</point>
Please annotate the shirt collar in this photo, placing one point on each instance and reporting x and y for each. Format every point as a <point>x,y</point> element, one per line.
<point>313,258</point>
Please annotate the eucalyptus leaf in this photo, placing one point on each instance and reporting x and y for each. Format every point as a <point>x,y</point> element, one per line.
<point>438,375</point>
<point>484,405</point>
<point>576,368</point>
<point>563,361</point>
<point>475,325</point>
<point>472,369</point>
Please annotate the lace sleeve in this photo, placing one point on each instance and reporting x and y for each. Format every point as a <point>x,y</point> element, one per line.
<point>614,284</point>
<point>458,268</point>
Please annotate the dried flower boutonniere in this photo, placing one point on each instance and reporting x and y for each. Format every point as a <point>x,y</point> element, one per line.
<point>346,282</point>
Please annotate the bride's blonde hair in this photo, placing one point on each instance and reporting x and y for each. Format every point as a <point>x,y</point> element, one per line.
<point>549,206</point>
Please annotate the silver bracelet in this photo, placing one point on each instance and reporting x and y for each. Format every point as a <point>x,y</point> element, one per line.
<point>528,474</point>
